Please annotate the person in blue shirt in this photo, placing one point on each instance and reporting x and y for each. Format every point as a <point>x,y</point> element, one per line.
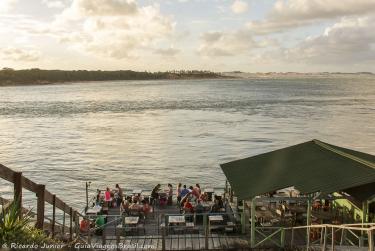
<point>184,191</point>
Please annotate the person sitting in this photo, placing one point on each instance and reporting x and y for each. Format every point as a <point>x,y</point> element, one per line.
<point>125,206</point>
<point>146,209</point>
<point>99,224</point>
<point>184,191</point>
<point>215,208</point>
<point>84,226</point>
<point>155,194</point>
<point>188,207</point>
<point>204,197</point>
<point>170,194</point>
<point>199,209</point>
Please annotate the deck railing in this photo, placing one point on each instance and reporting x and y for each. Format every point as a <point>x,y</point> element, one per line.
<point>43,195</point>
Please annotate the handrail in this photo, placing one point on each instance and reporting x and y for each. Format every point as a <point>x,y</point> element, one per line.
<point>43,195</point>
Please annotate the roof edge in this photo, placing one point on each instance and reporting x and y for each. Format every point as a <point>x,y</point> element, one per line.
<point>343,154</point>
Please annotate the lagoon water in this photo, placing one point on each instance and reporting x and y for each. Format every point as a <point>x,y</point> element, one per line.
<point>139,133</point>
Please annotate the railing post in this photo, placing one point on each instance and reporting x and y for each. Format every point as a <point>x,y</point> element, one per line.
<point>71,224</point>
<point>292,239</point>
<point>308,222</point>
<point>243,222</point>
<point>325,239</point>
<point>252,235</point>
<point>206,225</point>
<point>76,220</point>
<point>17,182</point>
<point>282,238</point>
<point>370,240</point>
<point>343,233</point>
<point>163,237</point>
<point>63,226</point>
<point>53,215</point>
<point>40,206</point>
<point>333,239</point>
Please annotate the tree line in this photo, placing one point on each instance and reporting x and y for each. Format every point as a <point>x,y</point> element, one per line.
<point>10,76</point>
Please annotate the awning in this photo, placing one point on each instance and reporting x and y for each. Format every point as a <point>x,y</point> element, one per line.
<point>313,166</point>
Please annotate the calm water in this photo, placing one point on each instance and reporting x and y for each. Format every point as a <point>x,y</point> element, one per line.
<point>139,133</point>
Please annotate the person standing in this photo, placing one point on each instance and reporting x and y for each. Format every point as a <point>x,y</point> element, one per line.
<point>178,193</point>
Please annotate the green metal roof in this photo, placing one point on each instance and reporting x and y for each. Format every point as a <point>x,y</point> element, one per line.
<point>313,166</point>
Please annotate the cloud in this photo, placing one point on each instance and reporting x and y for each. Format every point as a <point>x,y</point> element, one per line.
<point>219,44</point>
<point>112,28</point>
<point>168,52</point>
<point>349,41</point>
<point>54,4</point>
<point>347,45</point>
<point>7,5</point>
<point>239,7</point>
<point>19,54</point>
<point>295,13</point>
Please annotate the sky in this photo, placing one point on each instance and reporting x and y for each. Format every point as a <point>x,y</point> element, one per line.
<point>215,35</point>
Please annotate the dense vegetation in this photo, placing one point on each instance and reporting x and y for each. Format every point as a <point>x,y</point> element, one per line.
<point>19,231</point>
<point>37,76</point>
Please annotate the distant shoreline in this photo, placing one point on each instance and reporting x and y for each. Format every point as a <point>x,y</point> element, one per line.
<point>31,77</point>
<point>10,77</point>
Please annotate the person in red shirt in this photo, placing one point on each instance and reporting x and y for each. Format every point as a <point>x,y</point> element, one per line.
<point>188,207</point>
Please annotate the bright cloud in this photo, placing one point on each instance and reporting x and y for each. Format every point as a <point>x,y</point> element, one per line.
<point>7,5</point>
<point>295,13</point>
<point>147,35</point>
<point>19,54</point>
<point>349,41</point>
<point>239,7</point>
<point>112,28</point>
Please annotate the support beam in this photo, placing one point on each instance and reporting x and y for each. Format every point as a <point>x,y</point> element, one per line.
<point>40,207</point>
<point>308,222</point>
<point>53,215</point>
<point>252,230</point>
<point>17,182</point>
<point>71,224</point>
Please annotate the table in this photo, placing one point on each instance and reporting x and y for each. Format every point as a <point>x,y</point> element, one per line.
<point>215,218</point>
<point>137,191</point>
<point>208,190</point>
<point>94,210</point>
<point>176,219</point>
<point>131,220</point>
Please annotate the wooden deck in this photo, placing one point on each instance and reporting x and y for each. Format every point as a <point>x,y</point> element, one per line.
<point>150,236</point>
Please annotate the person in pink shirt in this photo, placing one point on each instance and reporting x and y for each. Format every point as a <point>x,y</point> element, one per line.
<point>107,196</point>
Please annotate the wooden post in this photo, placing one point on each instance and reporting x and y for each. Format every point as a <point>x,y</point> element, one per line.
<point>76,221</point>
<point>243,222</point>
<point>292,239</point>
<point>63,226</point>
<point>282,238</point>
<point>343,233</point>
<point>40,206</point>
<point>325,239</point>
<point>252,230</point>
<point>333,240</point>
<point>370,240</point>
<point>308,222</point>
<point>53,215</point>
<point>17,183</point>
<point>163,237</point>
<point>206,225</point>
<point>71,224</point>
